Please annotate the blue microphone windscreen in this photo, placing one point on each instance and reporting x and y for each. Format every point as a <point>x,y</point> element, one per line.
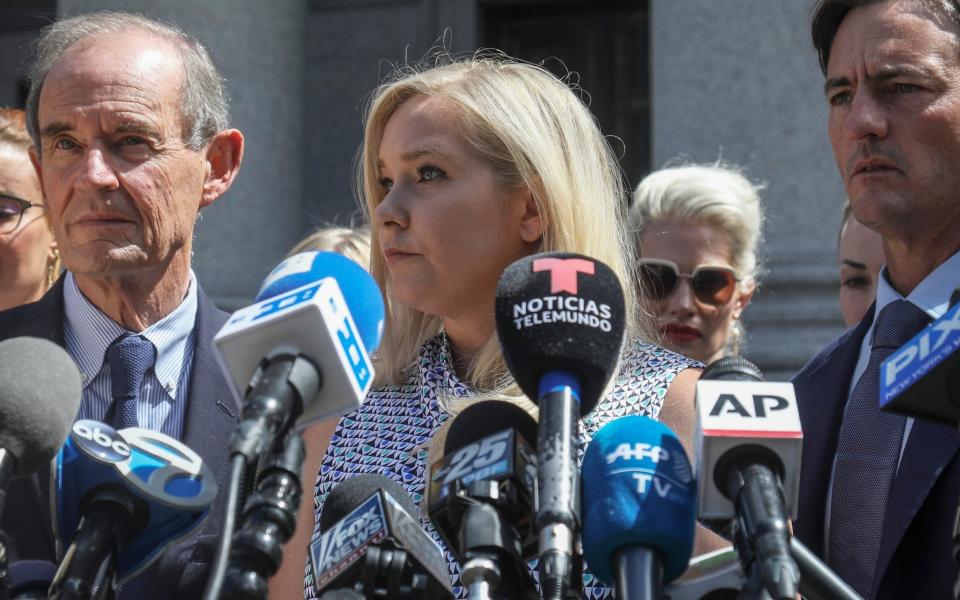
<point>638,490</point>
<point>359,289</point>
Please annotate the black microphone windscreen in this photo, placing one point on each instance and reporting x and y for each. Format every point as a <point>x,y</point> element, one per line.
<point>560,311</point>
<point>39,398</point>
<point>351,493</point>
<point>732,368</point>
<point>479,420</point>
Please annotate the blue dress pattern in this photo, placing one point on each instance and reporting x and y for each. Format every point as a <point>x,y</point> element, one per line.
<point>388,433</point>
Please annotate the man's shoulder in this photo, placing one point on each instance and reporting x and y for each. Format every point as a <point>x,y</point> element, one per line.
<point>845,347</point>
<point>43,318</point>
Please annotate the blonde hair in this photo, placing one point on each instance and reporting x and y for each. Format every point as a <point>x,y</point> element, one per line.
<point>536,133</point>
<point>352,242</point>
<point>716,195</point>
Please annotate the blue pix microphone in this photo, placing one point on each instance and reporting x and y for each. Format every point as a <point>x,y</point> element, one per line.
<point>121,498</point>
<point>639,506</point>
<point>921,378</point>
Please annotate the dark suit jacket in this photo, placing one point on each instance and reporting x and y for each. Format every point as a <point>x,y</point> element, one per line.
<point>916,559</point>
<point>210,419</point>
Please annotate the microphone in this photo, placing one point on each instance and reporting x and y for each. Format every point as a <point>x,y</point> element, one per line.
<point>35,412</point>
<point>639,506</point>
<point>481,497</point>
<point>122,497</point>
<point>748,447</point>
<point>283,349</point>
<point>30,579</point>
<point>921,378</point>
<point>560,318</point>
<point>301,358</point>
<point>372,544</point>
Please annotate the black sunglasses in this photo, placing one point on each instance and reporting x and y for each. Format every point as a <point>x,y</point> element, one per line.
<point>11,212</point>
<point>711,285</point>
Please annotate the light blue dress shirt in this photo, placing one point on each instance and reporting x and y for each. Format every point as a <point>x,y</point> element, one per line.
<point>88,332</point>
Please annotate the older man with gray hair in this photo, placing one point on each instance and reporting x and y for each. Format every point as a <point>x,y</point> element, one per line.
<point>129,120</point>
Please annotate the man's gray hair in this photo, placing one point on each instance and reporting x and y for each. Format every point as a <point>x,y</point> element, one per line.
<point>204,106</point>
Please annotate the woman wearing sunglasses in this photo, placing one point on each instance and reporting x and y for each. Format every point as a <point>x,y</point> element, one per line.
<point>697,227</point>
<point>29,261</point>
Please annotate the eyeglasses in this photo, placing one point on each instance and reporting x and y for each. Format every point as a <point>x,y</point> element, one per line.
<point>711,285</point>
<point>11,212</point>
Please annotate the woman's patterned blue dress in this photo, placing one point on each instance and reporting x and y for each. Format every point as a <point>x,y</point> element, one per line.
<point>389,433</point>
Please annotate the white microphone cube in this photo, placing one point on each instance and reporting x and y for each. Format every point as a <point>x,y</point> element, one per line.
<point>739,413</point>
<point>313,321</point>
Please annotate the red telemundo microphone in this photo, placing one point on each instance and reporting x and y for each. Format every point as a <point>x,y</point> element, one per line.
<point>560,319</point>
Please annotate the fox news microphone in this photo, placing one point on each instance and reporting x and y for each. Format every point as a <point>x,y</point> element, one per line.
<point>301,352</point>
<point>639,506</point>
<point>748,440</point>
<point>560,318</point>
<point>371,544</point>
<point>121,498</point>
<point>482,498</point>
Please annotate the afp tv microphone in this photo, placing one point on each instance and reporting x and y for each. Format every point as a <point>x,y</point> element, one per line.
<point>121,498</point>
<point>560,319</point>
<point>481,498</point>
<point>371,544</point>
<point>639,506</point>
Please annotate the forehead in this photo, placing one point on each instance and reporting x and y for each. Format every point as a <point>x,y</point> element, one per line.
<point>890,33</point>
<point>128,73</point>
<point>687,244</point>
<point>425,122</point>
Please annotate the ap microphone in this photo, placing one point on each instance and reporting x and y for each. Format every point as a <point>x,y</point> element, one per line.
<point>560,318</point>
<point>921,379</point>
<point>122,497</point>
<point>748,448</point>
<point>482,497</point>
<point>372,544</point>
<point>639,506</point>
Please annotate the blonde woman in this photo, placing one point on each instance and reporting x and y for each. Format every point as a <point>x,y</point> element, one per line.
<point>467,166</point>
<point>29,260</point>
<point>697,227</point>
<point>352,242</point>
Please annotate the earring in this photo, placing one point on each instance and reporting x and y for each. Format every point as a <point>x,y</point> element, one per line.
<point>53,268</point>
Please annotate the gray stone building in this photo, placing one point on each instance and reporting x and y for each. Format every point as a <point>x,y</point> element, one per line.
<point>704,79</point>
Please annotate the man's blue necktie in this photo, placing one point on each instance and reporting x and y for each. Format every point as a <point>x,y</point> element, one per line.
<point>130,357</point>
<point>868,450</point>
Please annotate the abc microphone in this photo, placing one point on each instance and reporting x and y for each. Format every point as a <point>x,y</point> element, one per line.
<point>749,441</point>
<point>560,319</point>
<point>481,498</point>
<point>122,497</point>
<point>371,544</point>
<point>639,506</point>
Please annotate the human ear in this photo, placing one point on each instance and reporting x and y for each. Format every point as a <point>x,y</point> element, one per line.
<point>532,222</point>
<point>224,154</point>
<point>746,289</point>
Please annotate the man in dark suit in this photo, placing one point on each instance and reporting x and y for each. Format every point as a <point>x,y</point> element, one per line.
<point>878,492</point>
<point>129,122</point>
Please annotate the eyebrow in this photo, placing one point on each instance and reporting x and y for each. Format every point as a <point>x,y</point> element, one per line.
<point>883,74</point>
<point>854,264</point>
<point>54,128</point>
<point>134,127</point>
<point>413,155</point>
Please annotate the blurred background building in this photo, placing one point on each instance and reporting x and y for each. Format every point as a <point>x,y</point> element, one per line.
<point>736,80</point>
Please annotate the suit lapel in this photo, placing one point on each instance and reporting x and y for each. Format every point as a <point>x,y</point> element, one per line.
<point>821,390</point>
<point>930,448</point>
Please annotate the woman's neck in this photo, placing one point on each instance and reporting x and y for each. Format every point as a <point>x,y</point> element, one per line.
<point>467,340</point>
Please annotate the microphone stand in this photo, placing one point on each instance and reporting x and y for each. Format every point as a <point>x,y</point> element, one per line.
<point>269,520</point>
<point>7,466</point>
